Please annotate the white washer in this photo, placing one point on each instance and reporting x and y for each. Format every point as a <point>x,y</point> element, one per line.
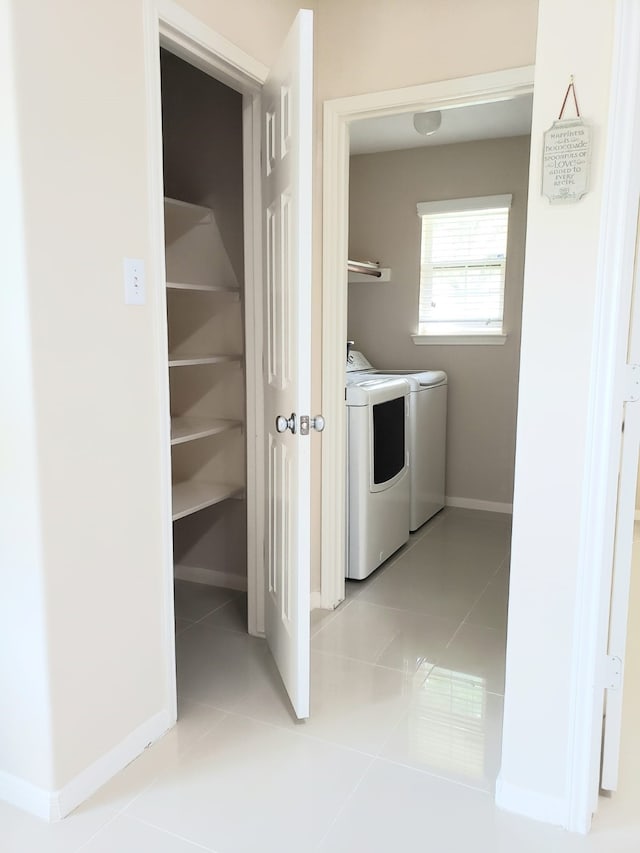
<point>378,472</point>
<point>427,434</point>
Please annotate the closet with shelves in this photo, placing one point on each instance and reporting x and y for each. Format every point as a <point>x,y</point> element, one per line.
<point>202,148</point>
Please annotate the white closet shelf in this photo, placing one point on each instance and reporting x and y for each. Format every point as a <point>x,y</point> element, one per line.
<point>190,429</point>
<point>234,292</point>
<point>187,360</point>
<point>190,214</point>
<point>191,496</point>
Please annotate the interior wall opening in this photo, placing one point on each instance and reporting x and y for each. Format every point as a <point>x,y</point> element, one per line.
<point>436,607</point>
<point>202,136</point>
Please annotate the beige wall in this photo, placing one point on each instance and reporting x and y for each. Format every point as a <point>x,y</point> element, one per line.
<point>557,348</point>
<point>383,224</point>
<point>372,45</point>
<point>25,741</point>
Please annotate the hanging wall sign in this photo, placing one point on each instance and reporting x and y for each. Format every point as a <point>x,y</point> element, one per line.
<point>566,157</point>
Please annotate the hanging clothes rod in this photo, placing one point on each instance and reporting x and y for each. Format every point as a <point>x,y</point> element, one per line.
<point>371,268</point>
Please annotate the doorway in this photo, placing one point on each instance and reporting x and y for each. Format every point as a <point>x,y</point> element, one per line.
<point>438,607</point>
<point>214,401</point>
<point>267,203</point>
<point>338,118</point>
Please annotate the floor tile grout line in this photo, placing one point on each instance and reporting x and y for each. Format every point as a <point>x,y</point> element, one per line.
<point>281,727</point>
<point>344,605</point>
<point>322,741</point>
<point>403,610</point>
<point>172,834</point>
<point>395,558</point>
<point>435,775</point>
<point>124,808</point>
<point>211,612</point>
<point>345,803</point>
<point>377,665</point>
<point>114,816</point>
<point>393,729</point>
<point>502,562</point>
<point>470,611</point>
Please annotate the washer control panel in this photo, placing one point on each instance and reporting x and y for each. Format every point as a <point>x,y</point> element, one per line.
<point>356,361</point>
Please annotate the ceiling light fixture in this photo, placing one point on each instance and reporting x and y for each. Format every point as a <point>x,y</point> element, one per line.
<point>427,123</point>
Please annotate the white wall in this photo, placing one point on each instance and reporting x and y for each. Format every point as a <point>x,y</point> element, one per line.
<point>383,224</point>
<point>556,354</point>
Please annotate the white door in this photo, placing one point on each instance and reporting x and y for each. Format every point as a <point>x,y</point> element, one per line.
<point>622,562</point>
<point>287,105</point>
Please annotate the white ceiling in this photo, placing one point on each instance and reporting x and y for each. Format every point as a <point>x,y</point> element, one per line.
<point>459,124</point>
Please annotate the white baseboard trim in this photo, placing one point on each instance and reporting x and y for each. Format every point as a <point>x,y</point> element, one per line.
<point>474,503</point>
<point>97,774</point>
<point>531,804</point>
<point>54,805</point>
<point>316,600</point>
<point>196,574</point>
<point>23,795</point>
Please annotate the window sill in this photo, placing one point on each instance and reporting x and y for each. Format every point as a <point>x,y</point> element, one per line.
<point>459,340</point>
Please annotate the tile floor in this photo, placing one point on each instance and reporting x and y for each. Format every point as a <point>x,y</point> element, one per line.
<point>402,748</point>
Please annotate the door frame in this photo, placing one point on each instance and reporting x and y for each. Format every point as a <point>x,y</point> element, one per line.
<point>169,25</point>
<point>614,311</point>
<point>338,115</point>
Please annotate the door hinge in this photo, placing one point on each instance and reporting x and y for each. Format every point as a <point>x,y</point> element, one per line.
<point>632,383</point>
<point>611,675</point>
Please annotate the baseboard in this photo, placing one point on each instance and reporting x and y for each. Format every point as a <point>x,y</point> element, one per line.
<point>531,804</point>
<point>54,805</point>
<point>23,795</point>
<point>196,574</point>
<point>474,503</point>
<point>316,600</point>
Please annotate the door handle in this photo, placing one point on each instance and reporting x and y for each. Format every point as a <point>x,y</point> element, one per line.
<point>283,424</point>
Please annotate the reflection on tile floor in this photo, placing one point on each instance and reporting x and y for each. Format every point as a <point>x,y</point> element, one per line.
<point>402,748</point>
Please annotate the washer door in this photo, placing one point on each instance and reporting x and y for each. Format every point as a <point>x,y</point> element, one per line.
<point>388,451</point>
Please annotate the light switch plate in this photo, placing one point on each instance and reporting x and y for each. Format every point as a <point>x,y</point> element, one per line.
<point>134,281</point>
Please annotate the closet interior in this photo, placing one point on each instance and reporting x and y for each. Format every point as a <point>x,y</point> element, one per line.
<point>204,245</point>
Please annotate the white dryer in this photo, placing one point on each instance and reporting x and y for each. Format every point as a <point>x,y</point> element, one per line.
<point>427,433</point>
<point>377,471</point>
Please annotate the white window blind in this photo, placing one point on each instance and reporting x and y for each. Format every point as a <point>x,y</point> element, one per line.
<point>462,266</point>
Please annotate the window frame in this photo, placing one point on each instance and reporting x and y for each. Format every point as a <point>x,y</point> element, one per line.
<point>460,205</point>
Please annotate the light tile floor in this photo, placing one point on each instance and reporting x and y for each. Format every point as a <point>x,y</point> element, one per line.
<point>402,748</point>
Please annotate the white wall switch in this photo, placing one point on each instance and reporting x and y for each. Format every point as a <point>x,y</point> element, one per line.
<point>134,281</point>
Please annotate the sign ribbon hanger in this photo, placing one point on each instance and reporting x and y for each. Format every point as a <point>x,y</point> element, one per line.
<point>570,88</point>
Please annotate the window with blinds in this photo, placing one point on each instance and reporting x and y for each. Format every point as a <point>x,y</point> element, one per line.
<point>462,266</point>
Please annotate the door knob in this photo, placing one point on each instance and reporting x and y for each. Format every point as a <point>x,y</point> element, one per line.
<point>318,423</point>
<point>283,424</point>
